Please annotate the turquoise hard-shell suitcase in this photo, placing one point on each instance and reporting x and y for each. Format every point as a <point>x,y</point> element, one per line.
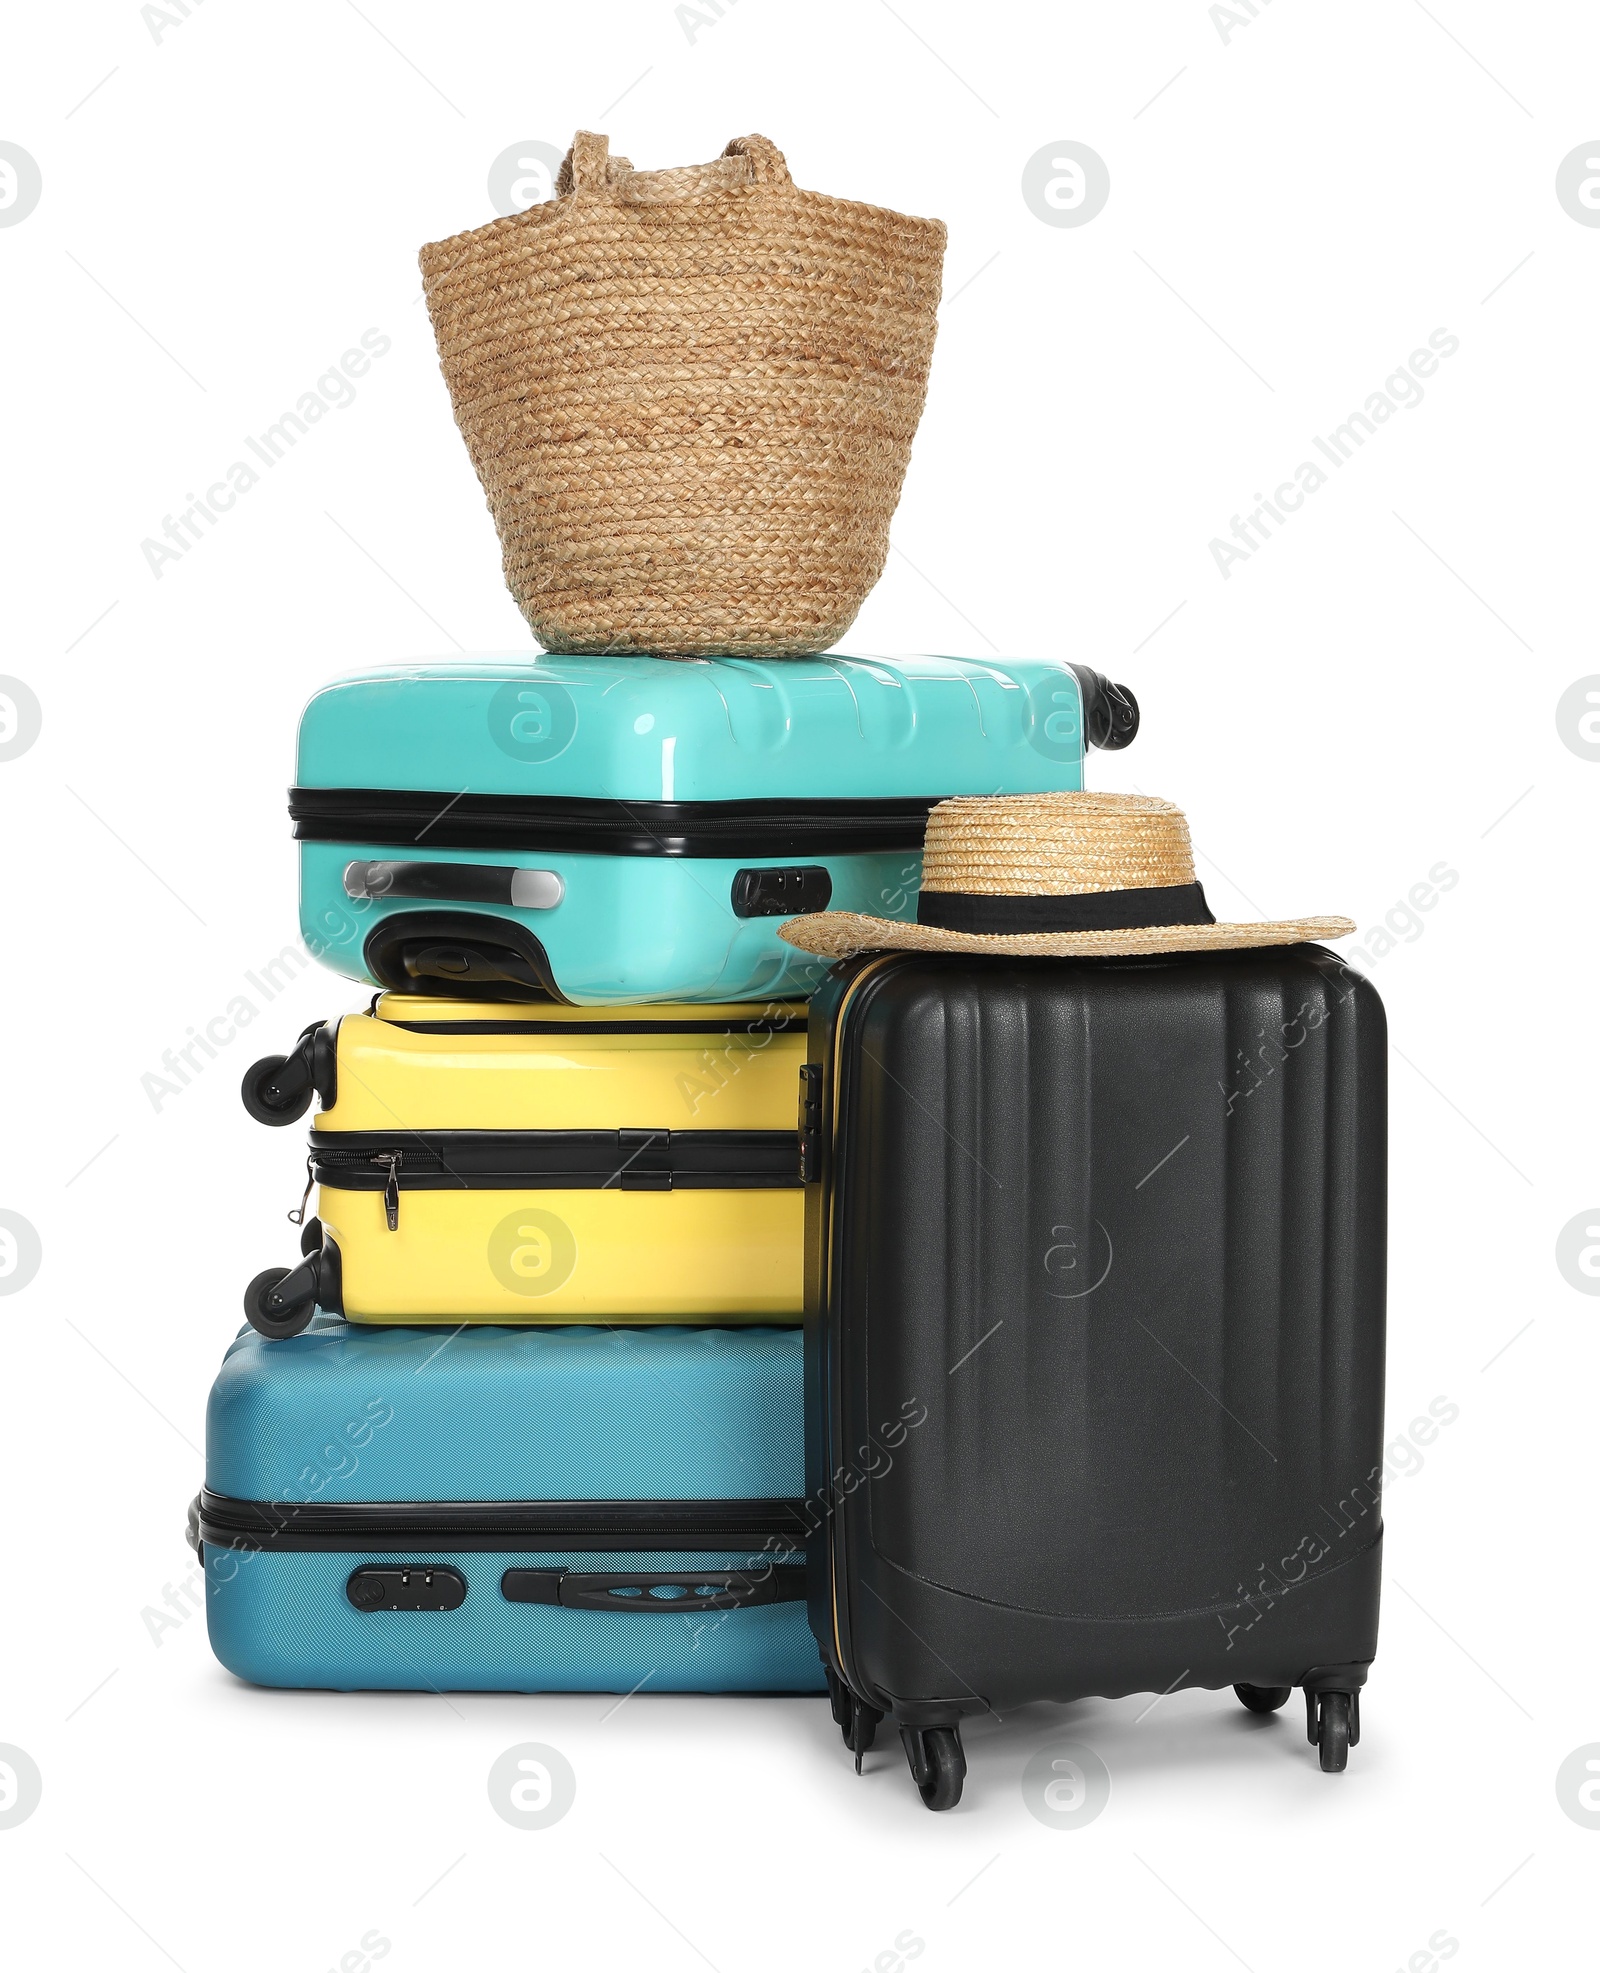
<point>508,1510</point>
<point>605,830</point>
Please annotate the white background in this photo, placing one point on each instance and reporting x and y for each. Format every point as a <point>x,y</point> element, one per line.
<point>1371,693</point>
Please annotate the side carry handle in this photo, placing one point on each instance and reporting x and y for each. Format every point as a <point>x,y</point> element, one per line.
<point>456,883</point>
<point>649,1593</point>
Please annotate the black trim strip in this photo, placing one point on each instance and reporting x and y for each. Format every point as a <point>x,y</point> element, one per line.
<point>400,818</point>
<point>990,916</point>
<point>489,1526</point>
<point>567,1160</point>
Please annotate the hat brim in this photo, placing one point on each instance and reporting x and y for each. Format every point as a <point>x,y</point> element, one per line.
<point>844,934</point>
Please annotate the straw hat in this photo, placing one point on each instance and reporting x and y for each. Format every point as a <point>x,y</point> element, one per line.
<point>1102,876</point>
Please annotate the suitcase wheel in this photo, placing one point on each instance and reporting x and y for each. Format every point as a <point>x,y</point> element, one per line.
<point>273,1096</point>
<point>855,1719</point>
<point>1333,1726</point>
<point>1264,1698</point>
<point>938,1766</point>
<point>311,1238</point>
<point>860,1729</point>
<point>281,1301</point>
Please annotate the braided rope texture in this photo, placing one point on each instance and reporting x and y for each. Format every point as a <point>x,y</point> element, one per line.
<point>690,397</point>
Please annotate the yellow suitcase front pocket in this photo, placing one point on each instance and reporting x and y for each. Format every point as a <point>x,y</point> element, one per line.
<point>481,1255</point>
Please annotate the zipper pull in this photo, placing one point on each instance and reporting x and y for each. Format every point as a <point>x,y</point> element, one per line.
<point>298,1216</point>
<point>391,1190</point>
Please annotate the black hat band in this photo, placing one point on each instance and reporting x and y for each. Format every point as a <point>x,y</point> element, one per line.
<point>1087,911</point>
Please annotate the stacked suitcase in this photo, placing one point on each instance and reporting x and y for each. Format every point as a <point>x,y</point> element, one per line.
<point>526,1414</point>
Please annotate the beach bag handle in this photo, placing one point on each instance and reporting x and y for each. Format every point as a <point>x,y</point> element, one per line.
<point>590,172</point>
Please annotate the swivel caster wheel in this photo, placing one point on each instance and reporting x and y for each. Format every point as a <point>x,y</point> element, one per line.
<point>856,1720</point>
<point>838,1698</point>
<point>938,1766</point>
<point>861,1729</point>
<point>1263,1698</point>
<point>1333,1726</point>
<point>277,1089</point>
<point>281,1301</point>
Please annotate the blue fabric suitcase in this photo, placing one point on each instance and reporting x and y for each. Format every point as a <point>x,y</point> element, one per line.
<point>508,1510</point>
<point>606,830</point>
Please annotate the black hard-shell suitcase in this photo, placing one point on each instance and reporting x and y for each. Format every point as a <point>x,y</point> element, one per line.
<point>1094,1336</point>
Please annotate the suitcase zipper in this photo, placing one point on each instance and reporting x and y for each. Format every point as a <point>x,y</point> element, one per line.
<point>511,1161</point>
<point>388,1161</point>
<point>298,1216</point>
<point>533,1526</point>
<point>391,1187</point>
<point>605,826</point>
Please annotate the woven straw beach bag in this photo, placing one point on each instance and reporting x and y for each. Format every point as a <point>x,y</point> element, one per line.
<point>690,396</point>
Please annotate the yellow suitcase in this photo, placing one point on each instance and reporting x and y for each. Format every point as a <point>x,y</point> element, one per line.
<point>542,1163</point>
